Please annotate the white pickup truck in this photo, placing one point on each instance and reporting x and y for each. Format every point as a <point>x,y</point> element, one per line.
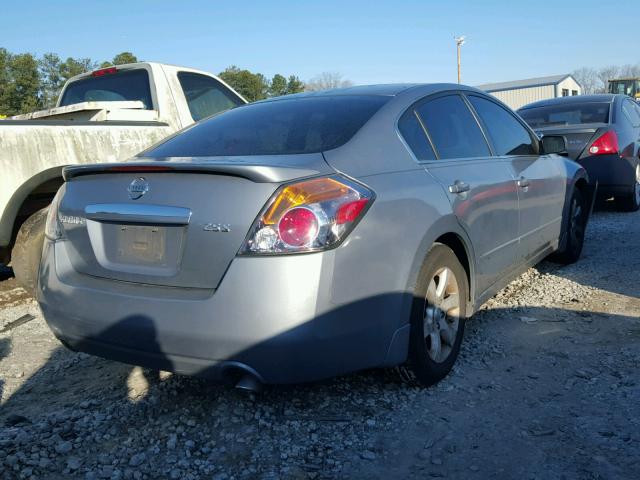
<point>107,115</point>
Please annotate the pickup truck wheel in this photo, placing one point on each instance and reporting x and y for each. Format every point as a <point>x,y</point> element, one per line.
<point>437,317</point>
<point>575,230</point>
<point>26,253</point>
<point>630,203</point>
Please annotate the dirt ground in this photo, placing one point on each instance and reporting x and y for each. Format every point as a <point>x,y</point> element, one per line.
<point>546,387</point>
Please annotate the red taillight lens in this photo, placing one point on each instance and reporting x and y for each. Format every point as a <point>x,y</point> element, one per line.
<point>606,143</point>
<point>308,216</point>
<point>350,211</point>
<point>104,71</point>
<point>298,227</point>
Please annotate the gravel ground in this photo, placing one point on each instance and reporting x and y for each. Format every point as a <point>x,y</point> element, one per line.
<point>546,387</point>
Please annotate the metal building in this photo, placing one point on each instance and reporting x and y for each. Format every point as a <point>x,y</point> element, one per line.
<point>521,92</point>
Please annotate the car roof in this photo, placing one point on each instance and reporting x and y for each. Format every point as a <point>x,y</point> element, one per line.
<point>599,98</point>
<point>387,90</point>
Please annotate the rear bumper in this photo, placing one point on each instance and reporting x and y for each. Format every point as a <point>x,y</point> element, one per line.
<point>273,315</point>
<point>615,175</point>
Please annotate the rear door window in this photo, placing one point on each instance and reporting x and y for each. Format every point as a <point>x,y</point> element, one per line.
<point>453,129</point>
<point>507,134</point>
<point>123,85</point>
<point>414,135</point>
<point>205,95</point>
<point>630,111</point>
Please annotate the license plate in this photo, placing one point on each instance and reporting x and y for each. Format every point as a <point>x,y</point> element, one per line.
<point>142,244</point>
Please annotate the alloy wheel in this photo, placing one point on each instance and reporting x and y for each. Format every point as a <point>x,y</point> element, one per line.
<point>442,314</point>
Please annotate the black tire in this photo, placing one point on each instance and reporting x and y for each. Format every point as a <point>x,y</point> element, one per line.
<point>27,251</point>
<point>575,228</point>
<point>422,369</point>
<point>631,202</point>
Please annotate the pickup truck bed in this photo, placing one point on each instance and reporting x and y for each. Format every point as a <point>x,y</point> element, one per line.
<point>108,115</point>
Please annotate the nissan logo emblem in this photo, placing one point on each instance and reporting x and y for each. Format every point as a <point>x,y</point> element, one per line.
<point>138,188</point>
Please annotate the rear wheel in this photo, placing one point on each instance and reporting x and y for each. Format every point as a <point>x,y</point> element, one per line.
<point>630,203</point>
<point>27,251</point>
<point>437,317</point>
<point>575,230</point>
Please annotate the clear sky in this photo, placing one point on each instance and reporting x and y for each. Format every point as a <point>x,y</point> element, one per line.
<point>366,41</point>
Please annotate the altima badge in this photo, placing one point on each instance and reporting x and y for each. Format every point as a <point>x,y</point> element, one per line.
<point>138,188</point>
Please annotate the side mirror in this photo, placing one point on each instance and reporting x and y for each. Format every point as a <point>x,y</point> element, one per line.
<point>554,144</point>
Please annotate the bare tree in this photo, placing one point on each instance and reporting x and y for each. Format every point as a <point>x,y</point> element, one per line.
<point>604,75</point>
<point>588,78</point>
<point>326,81</point>
<point>630,71</point>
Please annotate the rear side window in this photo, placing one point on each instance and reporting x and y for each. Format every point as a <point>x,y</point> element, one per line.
<point>121,86</point>
<point>205,95</point>
<point>280,127</point>
<point>452,128</point>
<point>507,134</point>
<point>631,112</point>
<point>566,114</point>
<point>414,135</point>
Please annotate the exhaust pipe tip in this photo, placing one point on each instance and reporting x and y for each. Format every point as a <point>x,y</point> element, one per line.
<point>249,383</point>
<point>242,376</point>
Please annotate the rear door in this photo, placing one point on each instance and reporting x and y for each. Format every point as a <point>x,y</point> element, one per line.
<point>480,187</point>
<point>540,179</point>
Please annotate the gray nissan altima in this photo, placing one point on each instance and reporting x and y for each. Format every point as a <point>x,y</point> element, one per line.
<point>309,235</point>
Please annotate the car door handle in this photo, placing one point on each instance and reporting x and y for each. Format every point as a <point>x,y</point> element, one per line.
<point>523,182</point>
<point>459,187</point>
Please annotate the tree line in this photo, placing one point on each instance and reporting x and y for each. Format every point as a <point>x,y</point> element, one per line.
<point>595,80</point>
<point>29,83</point>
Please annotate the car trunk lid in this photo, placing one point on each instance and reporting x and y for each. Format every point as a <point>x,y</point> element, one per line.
<point>578,137</point>
<point>174,223</point>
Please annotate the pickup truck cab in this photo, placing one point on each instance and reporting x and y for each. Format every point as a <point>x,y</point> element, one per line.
<point>107,115</point>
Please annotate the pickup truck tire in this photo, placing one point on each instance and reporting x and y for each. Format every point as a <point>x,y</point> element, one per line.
<point>26,253</point>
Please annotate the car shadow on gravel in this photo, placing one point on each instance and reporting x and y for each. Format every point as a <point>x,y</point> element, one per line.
<point>105,407</point>
<point>85,377</point>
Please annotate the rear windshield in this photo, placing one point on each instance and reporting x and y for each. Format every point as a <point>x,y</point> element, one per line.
<point>111,87</point>
<point>567,114</point>
<point>288,126</point>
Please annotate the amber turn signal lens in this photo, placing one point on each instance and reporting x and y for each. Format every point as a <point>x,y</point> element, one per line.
<point>304,193</point>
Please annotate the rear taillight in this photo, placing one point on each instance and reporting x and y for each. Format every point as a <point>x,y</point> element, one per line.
<point>308,216</point>
<point>52,227</point>
<point>606,143</point>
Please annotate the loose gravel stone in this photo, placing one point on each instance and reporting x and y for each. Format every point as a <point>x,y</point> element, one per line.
<point>63,447</point>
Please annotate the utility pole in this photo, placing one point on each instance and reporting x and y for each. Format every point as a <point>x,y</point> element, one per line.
<point>459,43</point>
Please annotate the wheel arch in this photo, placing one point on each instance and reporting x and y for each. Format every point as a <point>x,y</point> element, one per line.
<point>34,194</point>
<point>448,231</point>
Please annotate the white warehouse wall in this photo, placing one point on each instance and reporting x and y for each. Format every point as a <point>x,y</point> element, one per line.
<point>519,97</point>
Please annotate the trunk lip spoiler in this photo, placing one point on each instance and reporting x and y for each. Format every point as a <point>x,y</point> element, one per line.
<point>258,171</point>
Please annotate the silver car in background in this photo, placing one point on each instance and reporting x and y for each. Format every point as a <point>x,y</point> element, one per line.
<point>310,235</point>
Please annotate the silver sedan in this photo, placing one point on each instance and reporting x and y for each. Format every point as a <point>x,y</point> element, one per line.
<point>309,235</point>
